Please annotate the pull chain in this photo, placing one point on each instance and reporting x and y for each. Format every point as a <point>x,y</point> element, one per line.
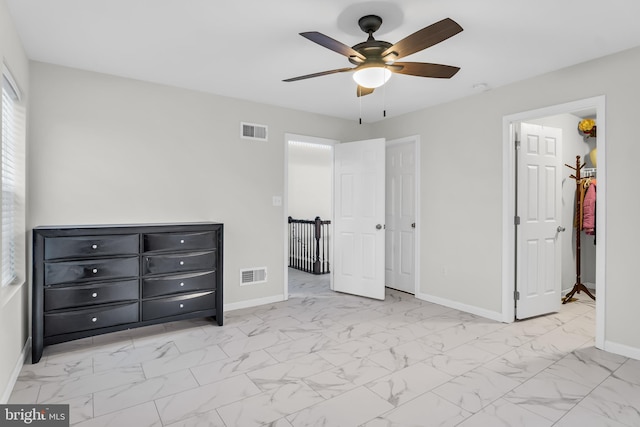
<point>384,101</point>
<point>360,100</point>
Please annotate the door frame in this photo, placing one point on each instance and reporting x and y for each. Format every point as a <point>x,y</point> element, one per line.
<point>415,140</point>
<point>508,205</point>
<point>285,202</point>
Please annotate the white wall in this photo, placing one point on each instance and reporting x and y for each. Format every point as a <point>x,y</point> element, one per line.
<point>461,182</point>
<point>310,181</point>
<point>14,300</point>
<point>114,150</point>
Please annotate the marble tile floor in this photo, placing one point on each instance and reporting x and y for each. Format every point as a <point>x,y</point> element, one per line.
<point>328,359</point>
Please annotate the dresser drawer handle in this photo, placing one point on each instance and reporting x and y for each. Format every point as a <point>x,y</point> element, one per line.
<point>181,262</point>
<point>181,305</point>
<point>181,283</point>
<point>94,246</point>
<point>94,295</point>
<point>181,241</point>
<point>94,271</point>
<point>94,319</point>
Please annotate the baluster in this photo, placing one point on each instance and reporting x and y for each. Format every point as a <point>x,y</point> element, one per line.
<point>309,247</point>
<point>317,233</point>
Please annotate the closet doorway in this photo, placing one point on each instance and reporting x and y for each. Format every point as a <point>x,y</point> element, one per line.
<point>532,265</point>
<point>401,245</point>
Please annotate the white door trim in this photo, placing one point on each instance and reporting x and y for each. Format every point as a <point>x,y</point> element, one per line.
<point>508,205</point>
<point>415,139</point>
<point>285,202</point>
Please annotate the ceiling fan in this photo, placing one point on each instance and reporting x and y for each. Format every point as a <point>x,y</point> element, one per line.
<point>375,60</point>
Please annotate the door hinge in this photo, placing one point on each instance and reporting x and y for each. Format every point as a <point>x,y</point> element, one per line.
<point>516,295</point>
<point>517,144</point>
<point>516,220</point>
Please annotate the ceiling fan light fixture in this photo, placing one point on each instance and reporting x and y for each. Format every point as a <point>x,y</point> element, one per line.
<point>372,77</point>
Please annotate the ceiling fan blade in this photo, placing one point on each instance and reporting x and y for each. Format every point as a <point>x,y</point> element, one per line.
<point>334,45</point>
<point>424,38</point>
<point>362,91</point>
<point>424,69</point>
<point>321,73</point>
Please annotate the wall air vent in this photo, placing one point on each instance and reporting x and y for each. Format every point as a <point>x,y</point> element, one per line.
<point>253,131</point>
<point>252,276</point>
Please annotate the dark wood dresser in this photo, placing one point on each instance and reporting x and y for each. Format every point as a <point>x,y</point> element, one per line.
<point>91,280</point>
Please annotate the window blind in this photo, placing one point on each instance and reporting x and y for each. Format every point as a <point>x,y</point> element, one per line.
<point>10,185</point>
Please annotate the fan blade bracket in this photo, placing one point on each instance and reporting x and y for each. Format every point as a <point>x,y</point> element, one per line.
<point>390,58</point>
<point>356,59</point>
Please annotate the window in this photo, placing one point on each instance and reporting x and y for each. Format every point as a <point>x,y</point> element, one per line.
<point>12,177</point>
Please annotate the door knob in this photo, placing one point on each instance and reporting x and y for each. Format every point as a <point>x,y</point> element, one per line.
<point>378,227</point>
<point>560,229</point>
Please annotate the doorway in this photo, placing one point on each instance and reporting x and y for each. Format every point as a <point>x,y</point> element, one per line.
<point>513,265</point>
<point>308,194</point>
<point>407,260</point>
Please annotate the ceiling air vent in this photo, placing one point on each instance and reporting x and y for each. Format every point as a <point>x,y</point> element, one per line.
<point>253,131</point>
<point>251,276</point>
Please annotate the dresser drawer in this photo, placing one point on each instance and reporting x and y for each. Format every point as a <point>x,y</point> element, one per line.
<point>181,304</point>
<point>94,269</point>
<point>56,298</point>
<point>90,246</point>
<point>167,285</point>
<point>90,318</point>
<point>176,263</point>
<point>171,242</point>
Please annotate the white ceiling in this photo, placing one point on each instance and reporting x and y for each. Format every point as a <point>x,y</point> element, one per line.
<point>245,48</point>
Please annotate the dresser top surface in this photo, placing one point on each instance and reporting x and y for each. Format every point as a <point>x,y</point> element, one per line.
<point>125,228</point>
<point>140,225</point>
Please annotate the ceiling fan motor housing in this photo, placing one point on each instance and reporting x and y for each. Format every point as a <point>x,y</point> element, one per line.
<point>370,23</point>
<point>371,49</point>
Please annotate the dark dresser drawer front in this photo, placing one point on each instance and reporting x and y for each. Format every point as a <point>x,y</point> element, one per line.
<point>181,304</point>
<point>90,318</point>
<point>175,263</point>
<point>167,242</point>
<point>167,285</point>
<point>90,246</point>
<point>95,269</point>
<point>56,298</point>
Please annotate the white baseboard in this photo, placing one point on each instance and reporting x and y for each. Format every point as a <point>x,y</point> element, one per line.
<point>493,315</point>
<point>622,350</point>
<point>253,302</point>
<point>24,355</point>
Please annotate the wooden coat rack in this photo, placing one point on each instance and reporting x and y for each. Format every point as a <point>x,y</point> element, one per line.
<point>578,286</point>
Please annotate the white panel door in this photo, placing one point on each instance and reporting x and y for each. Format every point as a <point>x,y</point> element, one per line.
<point>358,263</point>
<point>400,217</point>
<point>539,201</point>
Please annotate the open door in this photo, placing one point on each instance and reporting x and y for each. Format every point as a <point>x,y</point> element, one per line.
<point>539,202</point>
<point>359,202</point>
